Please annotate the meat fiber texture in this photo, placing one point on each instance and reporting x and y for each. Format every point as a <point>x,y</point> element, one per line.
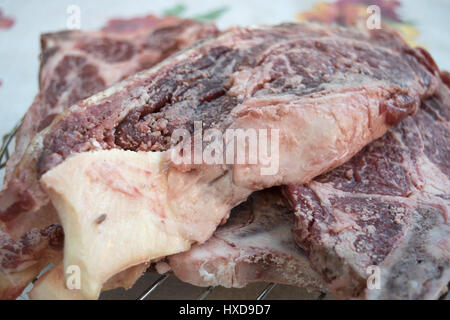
<point>256,244</point>
<point>387,207</point>
<point>299,79</point>
<point>75,65</point>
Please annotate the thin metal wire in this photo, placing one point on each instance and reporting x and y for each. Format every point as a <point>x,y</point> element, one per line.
<point>321,296</point>
<point>7,138</point>
<point>262,295</point>
<point>205,293</point>
<point>152,288</point>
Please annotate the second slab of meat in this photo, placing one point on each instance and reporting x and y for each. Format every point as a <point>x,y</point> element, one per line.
<point>388,207</point>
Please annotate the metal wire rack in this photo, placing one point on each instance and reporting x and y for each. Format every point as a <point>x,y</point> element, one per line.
<point>6,147</point>
<point>203,295</point>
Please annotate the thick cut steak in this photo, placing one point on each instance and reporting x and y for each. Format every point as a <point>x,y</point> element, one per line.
<point>387,207</point>
<point>256,244</point>
<point>75,65</point>
<point>329,91</point>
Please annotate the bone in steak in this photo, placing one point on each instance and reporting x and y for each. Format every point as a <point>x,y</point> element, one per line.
<point>388,206</point>
<point>256,244</point>
<point>75,65</point>
<point>261,77</point>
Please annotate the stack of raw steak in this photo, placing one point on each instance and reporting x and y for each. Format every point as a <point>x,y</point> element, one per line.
<point>330,91</point>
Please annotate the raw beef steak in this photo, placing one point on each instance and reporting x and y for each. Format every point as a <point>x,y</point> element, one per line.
<point>387,207</point>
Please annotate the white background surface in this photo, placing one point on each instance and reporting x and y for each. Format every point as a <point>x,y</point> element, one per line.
<point>19,46</point>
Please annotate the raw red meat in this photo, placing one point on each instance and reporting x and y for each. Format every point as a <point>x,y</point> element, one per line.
<point>387,207</point>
